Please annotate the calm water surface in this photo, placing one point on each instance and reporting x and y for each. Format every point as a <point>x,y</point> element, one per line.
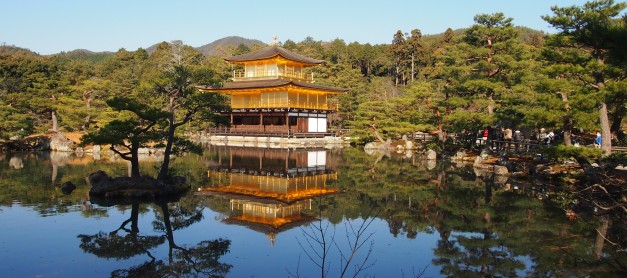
<point>273,213</point>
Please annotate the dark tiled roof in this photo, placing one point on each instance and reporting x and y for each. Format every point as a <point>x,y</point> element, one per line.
<point>269,84</point>
<point>270,52</point>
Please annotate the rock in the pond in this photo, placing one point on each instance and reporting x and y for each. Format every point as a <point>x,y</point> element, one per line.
<point>60,143</point>
<point>459,156</point>
<point>485,154</point>
<point>16,163</point>
<point>500,170</point>
<point>370,146</point>
<point>478,160</point>
<point>98,177</point>
<point>67,187</point>
<point>431,155</point>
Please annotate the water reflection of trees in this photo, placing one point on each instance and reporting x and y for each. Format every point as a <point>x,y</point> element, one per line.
<point>36,183</point>
<point>453,202</point>
<point>486,228</point>
<point>201,259</point>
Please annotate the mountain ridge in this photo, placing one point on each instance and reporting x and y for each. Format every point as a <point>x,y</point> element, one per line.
<point>215,48</point>
<point>218,47</point>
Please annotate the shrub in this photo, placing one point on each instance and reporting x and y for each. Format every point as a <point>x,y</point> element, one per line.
<point>433,145</point>
<point>362,140</point>
<point>561,153</point>
<point>615,159</point>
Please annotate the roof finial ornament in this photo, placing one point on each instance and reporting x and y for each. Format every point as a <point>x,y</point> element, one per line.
<point>275,40</point>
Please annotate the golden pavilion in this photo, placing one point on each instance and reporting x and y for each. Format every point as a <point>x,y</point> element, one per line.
<point>274,91</point>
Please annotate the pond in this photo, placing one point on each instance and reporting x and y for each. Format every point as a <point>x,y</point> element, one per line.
<point>294,213</point>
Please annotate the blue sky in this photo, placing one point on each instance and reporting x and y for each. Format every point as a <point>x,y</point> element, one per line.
<point>52,26</point>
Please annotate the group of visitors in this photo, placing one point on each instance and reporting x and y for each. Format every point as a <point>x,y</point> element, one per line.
<point>508,138</point>
<point>503,138</point>
<point>546,138</point>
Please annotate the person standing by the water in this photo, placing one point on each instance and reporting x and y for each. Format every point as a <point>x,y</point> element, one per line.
<point>542,136</point>
<point>598,140</point>
<point>550,137</point>
<point>507,135</point>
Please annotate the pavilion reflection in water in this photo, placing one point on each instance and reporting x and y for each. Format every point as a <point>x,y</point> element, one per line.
<point>269,189</point>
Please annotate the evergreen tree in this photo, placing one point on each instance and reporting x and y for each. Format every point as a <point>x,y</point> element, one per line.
<point>583,47</point>
<point>131,132</point>
<point>416,49</point>
<point>480,72</point>
<point>170,82</point>
<point>399,54</point>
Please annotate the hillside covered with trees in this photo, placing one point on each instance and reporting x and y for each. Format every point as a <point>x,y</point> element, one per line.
<point>492,73</point>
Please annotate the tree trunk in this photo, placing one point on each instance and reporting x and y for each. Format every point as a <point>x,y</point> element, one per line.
<point>568,121</point>
<point>55,171</point>
<point>384,144</point>
<point>412,67</point>
<point>87,100</point>
<point>376,134</point>
<point>86,122</point>
<point>396,75</point>
<point>438,117</point>
<point>606,134</point>
<point>55,122</point>
<point>163,173</point>
<point>134,160</point>
<point>490,104</point>
<point>168,228</point>
<point>134,218</point>
<point>601,234</point>
<point>568,141</point>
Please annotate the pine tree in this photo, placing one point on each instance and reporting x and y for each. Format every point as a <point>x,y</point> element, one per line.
<point>131,132</point>
<point>583,46</point>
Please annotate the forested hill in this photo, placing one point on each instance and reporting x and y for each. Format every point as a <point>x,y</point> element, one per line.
<point>526,34</point>
<point>219,47</point>
<point>12,49</point>
<point>85,55</point>
<point>215,48</point>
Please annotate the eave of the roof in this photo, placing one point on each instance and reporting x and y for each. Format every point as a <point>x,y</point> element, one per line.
<point>270,52</point>
<point>258,84</point>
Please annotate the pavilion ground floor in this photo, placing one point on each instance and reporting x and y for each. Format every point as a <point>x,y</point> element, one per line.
<point>279,122</point>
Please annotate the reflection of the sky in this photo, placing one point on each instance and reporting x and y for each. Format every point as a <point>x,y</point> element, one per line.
<point>39,229</point>
<point>31,245</point>
<point>36,246</point>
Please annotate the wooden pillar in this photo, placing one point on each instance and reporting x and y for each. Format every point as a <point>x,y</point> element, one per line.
<point>261,162</point>
<point>232,120</point>
<point>260,121</point>
<point>287,121</point>
<point>287,161</point>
